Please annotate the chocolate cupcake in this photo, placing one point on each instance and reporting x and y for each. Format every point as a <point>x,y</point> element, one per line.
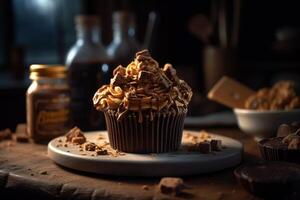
<point>284,147</point>
<point>144,106</point>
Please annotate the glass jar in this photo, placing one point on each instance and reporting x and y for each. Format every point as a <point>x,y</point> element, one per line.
<point>87,71</point>
<point>47,103</point>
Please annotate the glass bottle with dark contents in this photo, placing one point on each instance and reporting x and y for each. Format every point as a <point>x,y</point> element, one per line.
<point>86,62</point>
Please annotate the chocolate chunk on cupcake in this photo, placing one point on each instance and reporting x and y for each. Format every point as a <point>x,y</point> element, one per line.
<point>144,106</point>
<point>284,147</point>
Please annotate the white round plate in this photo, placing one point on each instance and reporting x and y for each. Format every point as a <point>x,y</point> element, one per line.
<point>166,164</point>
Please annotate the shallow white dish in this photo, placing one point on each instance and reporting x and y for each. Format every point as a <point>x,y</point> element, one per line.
<point>167,164</point>
<point>264,123</point>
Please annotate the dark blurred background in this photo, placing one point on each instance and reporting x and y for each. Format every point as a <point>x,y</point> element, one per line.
<point>261,46</point>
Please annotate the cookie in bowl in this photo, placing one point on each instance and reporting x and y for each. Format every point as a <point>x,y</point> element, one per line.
<point>144,106</point>
<point>281,96</point>
<point>284,147</point>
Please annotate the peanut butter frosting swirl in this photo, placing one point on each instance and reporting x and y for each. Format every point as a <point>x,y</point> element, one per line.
<point>141,86</point>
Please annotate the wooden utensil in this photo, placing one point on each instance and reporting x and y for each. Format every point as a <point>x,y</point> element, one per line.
<point>230,93</point>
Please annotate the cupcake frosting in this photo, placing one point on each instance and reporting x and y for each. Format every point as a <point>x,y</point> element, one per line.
<point>141,86</point>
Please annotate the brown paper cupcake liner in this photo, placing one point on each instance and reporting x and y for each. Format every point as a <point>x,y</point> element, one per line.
<point>278,154</point>
<point>162,134</point>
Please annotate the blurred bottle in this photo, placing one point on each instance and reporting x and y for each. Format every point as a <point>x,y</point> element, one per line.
<point>17,62</point>
<point>124,45</point>
<point>86,62</point>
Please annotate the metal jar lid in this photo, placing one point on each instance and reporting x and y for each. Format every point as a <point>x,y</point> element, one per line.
<point>47,71</point>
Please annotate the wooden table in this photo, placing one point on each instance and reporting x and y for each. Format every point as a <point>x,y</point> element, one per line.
<point>27,172</point>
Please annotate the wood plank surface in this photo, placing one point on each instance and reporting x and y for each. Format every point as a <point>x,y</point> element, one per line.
<point>27,172</point>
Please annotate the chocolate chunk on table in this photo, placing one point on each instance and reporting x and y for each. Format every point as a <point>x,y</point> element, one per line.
<point>170,185</point>
<point>21,128</point>
<point>20,137</point>
<point>5,134</point>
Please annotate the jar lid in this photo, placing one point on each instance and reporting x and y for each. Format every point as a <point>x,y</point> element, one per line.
<point>47,71</point>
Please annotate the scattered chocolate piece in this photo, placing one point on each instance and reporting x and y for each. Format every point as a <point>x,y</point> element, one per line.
<point>44,173</point>
<point>283,130</point>
<point>20,137</point>
<point>204,147</point>
<point>65,145</point>
<point>78,140</point>
<point>101,152</point>
<point>100,137</point>
<point>204,135</point>
<point>5,134</point>
<point>216,145</point>
<point>201,142</point>
<point>172,186</point>
<point>21,128</point>
<point>145,187</point>
<point>288,138</point>
<point>75,136</point>
<point>10,143</point>
<point>191,147</point>
<point>295,126</point>
<point>90,146</point>
<point>294,143</point>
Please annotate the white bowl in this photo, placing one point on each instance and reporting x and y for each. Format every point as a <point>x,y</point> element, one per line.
<point>264,123</point>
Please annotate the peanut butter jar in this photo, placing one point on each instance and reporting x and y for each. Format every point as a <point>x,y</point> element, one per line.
<point>47,103</point>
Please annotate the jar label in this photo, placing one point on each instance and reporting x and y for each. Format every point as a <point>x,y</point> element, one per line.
<point>53,115</point>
